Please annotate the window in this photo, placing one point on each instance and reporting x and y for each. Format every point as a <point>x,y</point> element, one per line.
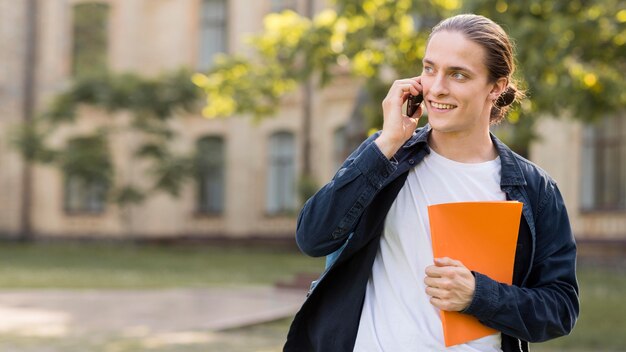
<point>213,34</point>
<point>340,147</point>
<point>604,165</point>
<point>90,33</point>
<point>281,5</point>
<point>210,165</point>
<point>281,178</point>
<point>84,196</point>
<point>88,170</point>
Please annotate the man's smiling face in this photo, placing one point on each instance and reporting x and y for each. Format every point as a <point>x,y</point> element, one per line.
<point>456,85</point>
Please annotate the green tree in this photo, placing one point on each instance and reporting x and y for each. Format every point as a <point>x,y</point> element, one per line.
<point>571,55</point>
<point>152,103</point>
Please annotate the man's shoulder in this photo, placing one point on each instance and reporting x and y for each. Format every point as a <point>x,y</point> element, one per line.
<point>531,173</point>
<point>540,186</point>
<point>531,170</point>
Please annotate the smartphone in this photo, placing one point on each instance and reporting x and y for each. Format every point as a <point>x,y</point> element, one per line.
<point>413,103</point>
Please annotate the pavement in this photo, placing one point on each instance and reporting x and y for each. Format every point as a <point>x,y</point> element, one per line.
<point>55,313</point>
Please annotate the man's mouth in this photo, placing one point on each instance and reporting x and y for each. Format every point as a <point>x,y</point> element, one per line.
<point>442,106</point>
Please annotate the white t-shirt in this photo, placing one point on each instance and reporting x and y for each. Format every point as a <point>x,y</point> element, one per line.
<point>397,315</point>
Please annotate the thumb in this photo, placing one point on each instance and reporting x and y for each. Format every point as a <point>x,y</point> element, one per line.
<point>419,112</point>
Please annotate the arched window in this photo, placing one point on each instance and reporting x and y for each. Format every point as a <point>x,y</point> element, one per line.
<point>213,31</point>
<point>281,178</point>
<point>84,196</point>
<point>340,147</point>
<point>87,170</point>
<point>282,5</point>
<point>90,29</point>
<point>210,166</point>
<point>604,165</point>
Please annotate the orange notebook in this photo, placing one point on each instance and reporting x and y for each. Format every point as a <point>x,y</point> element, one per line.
<point>483,236</point>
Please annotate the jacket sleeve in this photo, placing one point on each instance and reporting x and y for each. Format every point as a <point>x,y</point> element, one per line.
<point>547,306</point>
<point>331,214</point>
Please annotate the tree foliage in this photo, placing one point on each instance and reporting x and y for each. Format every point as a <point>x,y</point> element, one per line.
<point>570,54</point>
<point>152,102</point>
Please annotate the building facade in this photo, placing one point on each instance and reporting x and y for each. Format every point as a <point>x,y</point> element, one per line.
<point>247,186</point>
<point>588,161</point>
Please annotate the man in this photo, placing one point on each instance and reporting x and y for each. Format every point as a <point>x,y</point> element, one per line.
<point>382,290</point>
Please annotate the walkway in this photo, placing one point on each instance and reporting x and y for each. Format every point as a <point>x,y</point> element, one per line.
<point>56,313</point>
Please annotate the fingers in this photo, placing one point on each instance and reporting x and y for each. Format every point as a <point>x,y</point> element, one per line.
<point>445,261</point>
<point>438,283</point>
<point>400,90</point>
<point>444,267</point>
<point>441,297</point>
<point>407,89</point>
<point>449,284</point>
<point>437,292</point>
<point>441,284</point>
<point>444,304</point>
<point>397,127</point>
<point>406,86</point>
<point>434,271</point>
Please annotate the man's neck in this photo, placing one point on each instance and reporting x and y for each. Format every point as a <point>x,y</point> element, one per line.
<point>463,147</point>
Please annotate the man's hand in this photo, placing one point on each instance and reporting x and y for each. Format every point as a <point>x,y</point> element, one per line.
<point>397,127</point>
<point>449,284</point>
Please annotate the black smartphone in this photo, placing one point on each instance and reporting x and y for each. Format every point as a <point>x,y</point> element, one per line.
<point>413,103</point>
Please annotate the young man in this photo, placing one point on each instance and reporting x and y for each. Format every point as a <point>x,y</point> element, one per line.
<point>382,290</point>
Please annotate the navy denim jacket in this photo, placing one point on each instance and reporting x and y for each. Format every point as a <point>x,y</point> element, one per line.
<point>345,220</point>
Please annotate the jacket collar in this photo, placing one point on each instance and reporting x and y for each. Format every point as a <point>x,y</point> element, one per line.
<point>512,174</point>
<point>419,136</point>
<point>511,171</point>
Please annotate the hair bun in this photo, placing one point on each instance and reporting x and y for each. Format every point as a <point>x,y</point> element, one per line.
<point>507,97</point>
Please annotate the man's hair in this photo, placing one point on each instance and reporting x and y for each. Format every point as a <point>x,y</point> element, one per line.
<point>499,55</point>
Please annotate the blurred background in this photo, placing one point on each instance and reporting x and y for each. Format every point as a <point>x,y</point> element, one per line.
<point>168,145</point>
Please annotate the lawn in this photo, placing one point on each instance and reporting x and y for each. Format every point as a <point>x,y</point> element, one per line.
<point>91,265</point>
<point>601,327</point>
<point>602,322</point>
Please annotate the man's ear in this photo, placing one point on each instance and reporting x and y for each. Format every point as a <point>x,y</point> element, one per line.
<point>498,88</point>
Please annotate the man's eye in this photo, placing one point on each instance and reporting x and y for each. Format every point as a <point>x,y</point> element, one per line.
<point>428,69</point>
<point>458,75</point>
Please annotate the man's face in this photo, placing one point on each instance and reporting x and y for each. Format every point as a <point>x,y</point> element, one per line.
<point>455,84</point>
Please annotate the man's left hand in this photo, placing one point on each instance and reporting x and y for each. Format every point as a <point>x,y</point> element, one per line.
<point>449,284</point>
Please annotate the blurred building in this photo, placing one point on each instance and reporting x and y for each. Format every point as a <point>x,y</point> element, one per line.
<point>589,163</point>
<point>248,187</point>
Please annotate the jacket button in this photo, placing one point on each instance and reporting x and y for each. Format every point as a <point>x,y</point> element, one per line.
<point>411,161</point>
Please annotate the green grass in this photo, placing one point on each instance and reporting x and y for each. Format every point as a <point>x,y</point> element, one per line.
<point>601,327</point>
<point>602,322</point>
<point>268,337</point>
<point>75,266</point>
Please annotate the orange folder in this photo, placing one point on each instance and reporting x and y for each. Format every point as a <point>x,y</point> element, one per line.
<point>483,236</point>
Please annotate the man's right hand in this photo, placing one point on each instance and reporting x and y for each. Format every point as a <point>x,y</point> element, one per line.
<point>397,127</point>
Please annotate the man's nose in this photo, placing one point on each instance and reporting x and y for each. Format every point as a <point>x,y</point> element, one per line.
<point>439,86</point>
